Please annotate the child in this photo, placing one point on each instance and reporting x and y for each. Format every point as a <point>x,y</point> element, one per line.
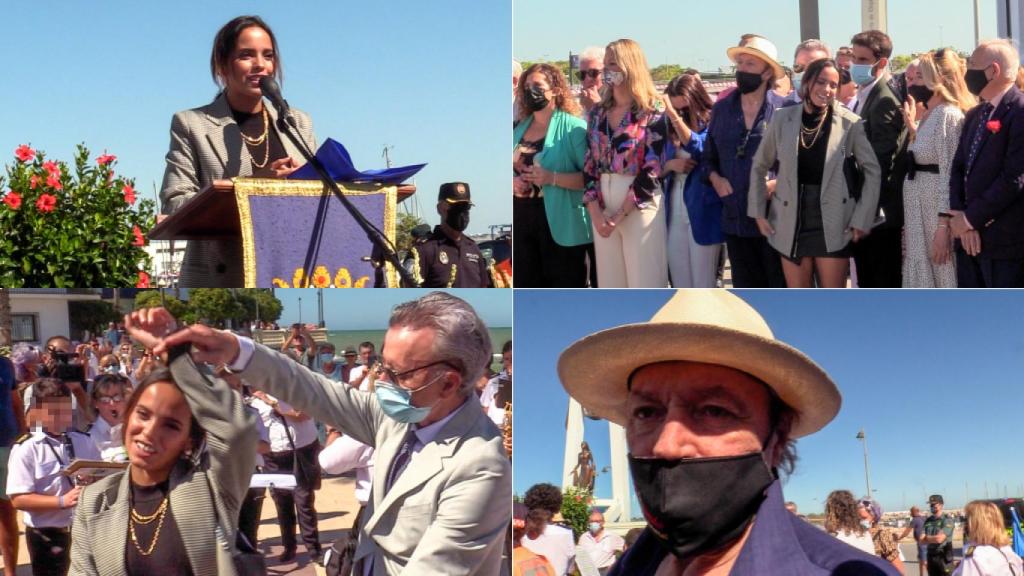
<point>34,480</point>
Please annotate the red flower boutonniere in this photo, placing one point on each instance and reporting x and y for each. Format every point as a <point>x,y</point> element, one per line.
<point>993,126</point>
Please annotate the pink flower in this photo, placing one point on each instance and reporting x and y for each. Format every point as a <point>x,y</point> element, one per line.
<point>129,194</point>
<point>51,167</point>
<point>993,126</point>
<point>24,153</point>
<point>106,159</point>
<point>53,181</point>
<point>13,200</point>
<point>143,280</point>
<point>46,203</point>
<point>33,182</point>
<point>139,239</point>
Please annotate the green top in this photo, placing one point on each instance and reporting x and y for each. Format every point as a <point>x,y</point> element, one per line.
<point>935,524</point>
<point>565,147</point>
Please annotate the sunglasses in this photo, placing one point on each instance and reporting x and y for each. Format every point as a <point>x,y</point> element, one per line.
<point>592,73</point>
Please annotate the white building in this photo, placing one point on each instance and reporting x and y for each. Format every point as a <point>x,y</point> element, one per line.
<point>166,263</point>
<point>38,314</point>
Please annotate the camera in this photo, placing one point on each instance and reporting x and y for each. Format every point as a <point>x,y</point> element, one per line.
<point>64,369</point>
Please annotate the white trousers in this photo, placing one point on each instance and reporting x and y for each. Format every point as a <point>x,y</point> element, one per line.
<point>633,256</point>
<point>690,265</point>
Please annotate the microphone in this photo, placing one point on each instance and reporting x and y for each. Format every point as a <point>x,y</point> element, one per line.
<point>272,91</point>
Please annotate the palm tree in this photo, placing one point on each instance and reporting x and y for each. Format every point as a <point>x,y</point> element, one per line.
<point>5,317</point>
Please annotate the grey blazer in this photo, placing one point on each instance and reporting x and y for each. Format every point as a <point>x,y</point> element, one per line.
<point>839,212</point>
<point>448,511</point>
<point>204,498</point>
<point>206,145</point>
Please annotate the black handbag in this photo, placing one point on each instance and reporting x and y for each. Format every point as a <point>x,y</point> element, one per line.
<point>340,556</point>
<point>854,177</point>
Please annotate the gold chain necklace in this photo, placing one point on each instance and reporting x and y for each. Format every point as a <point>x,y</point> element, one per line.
<point>816,131</point>
<point>266,130</point>
<point>137,518</point>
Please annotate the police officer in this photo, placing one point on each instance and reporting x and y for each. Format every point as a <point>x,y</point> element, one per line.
<point>449,259</point>
<point>938,537</point>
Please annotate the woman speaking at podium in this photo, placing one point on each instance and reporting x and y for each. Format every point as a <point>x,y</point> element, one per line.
<point>235,135</point>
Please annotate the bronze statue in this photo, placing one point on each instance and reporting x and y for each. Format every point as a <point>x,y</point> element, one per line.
<point>583,473</point>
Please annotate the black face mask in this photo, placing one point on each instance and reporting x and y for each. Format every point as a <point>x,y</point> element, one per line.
<point>696,505</point>
<point>920,93</point>
<point>536,99</point>
<point>747,82</point>
<point>458,217</point>
<point>976,81</point>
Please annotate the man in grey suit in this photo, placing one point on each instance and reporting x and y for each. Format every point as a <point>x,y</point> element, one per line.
<point>442,487</point>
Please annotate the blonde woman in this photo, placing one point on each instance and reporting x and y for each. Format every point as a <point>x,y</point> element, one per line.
<point>988,552</point>
<point>626,137</point>
<point>937,84</point>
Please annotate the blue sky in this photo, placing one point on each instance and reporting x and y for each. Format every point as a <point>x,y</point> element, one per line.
<point>697,33</point>
<point>412,75</point>
<point>933,377</point>
<point>369,309</point>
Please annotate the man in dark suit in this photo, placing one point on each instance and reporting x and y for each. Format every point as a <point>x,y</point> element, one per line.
<point>986,209</point>
<point>879,255</point>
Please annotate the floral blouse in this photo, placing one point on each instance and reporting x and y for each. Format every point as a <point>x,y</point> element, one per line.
<point>634,147</point>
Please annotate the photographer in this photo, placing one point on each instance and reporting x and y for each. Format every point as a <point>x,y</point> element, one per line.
<point>61,361</point>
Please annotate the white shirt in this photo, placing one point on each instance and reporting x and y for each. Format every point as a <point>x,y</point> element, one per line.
<point>261,430</point>
<point>355,374</point>
<point>34,468</point>
<point>347,453</point>
<point>107,439</point>
<point>303,433</point>
<point>863,91</point>
<point>990,561</point>
<point>487,400</point>
<point>557,545</point>
<point>862,542</point>
<point>602,551</point>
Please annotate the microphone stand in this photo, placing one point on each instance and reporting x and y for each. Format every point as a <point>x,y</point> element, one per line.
<point>285,123</point>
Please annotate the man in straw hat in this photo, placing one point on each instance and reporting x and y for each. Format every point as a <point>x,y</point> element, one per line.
<point>712,404</point>
<point>738,123</point>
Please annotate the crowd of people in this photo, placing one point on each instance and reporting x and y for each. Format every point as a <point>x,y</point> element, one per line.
<point>184,435</point>
<point>794,173</point>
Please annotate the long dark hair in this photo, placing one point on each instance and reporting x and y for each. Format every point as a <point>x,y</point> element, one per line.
<point>226,39</point>
<point>689,86</point>
<point>160,374</point>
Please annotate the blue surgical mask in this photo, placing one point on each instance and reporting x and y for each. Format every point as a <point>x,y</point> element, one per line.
<point>594,527</point>
<point>112,369</point>
<point>325,358</point>
<point>862,74</point>
<point>395,401</point>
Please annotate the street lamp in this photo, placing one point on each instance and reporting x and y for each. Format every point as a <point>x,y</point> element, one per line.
<point>300,310</point>
<point>867,477</point>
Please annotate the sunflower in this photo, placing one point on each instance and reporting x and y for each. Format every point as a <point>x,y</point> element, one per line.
<point>321,277</point>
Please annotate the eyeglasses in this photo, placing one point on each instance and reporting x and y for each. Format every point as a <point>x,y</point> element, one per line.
<point>397,377</point>
<point>110,399</point>
<point>592,73</point>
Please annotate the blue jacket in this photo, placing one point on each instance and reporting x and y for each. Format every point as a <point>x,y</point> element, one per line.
<point>702,202</point>
<point>989,191</point>
<point>565,147</point>
<point>780,544</point>
<point>725,135</point>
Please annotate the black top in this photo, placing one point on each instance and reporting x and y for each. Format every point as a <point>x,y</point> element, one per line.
<point>443,261</point>
<point>252,126</point>
<point>168,555</point>
<point>526,150</point>
<point>811,161</point>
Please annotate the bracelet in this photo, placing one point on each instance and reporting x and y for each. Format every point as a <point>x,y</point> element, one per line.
<point>554,179</point>
<point>943,225</point>
<point>60,501</point>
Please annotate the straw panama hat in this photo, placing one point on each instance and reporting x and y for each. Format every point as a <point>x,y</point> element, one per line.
<point>711,326</point>
<point>761,48</point>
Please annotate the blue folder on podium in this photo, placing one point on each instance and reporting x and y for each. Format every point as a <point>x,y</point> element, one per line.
<point>335,158</point>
